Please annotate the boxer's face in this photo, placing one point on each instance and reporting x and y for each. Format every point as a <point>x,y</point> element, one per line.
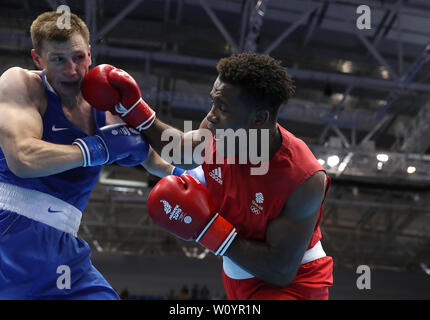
<point>230,109</point>
<point>65,63</point>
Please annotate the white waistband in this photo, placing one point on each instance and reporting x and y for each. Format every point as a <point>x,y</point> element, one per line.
<point>233,271</point>
<point>41,207</point>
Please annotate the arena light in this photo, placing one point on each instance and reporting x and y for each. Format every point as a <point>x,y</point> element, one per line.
<point>342,166</point>
<point>382,157</point>
<point>355,191</point>
<point>333,161</point>
<point>346,67</point>
<point>321,161</point>
<point>411,169</point>
<point>425,268</point>
<point>384,72</point>
<point>98,246</point>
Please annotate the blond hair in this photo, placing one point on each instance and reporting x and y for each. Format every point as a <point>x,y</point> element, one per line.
<point>44,28</point>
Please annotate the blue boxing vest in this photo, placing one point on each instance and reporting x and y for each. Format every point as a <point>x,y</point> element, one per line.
<point>73,186</point>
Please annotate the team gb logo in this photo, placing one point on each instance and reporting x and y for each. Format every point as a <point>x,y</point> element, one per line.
<point>256,205</point>
<point>175,214</point>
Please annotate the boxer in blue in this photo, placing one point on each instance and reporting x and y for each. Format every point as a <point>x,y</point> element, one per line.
<point>52,146</point>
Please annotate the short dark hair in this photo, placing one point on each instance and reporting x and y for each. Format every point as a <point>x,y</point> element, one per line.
<point>261,76</point>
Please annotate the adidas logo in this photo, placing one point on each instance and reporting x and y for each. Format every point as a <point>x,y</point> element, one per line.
<point>216,175</point>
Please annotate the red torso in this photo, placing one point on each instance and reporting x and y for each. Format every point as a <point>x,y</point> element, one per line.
<point>250,201</point>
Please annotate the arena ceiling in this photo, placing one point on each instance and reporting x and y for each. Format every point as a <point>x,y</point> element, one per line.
<point>359,93</point>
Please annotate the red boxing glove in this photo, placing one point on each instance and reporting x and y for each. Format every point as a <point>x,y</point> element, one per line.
<point>183,206</point>
<point>107,88</point>
<point>97,90</point>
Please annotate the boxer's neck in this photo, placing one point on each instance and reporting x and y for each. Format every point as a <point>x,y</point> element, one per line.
<point>275,141</point>
<point>72,102</point>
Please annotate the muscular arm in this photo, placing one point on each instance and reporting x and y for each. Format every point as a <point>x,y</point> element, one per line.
<point>155,165</point>
<point>277,259</point>
<point>21,130</point>
<point>176,139</point>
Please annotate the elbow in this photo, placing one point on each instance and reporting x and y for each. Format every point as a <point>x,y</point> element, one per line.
<point>20,166</point>
<point>21,171</point>
<point>281,280</point>
<point>281,277</point>
<point>285,281</point>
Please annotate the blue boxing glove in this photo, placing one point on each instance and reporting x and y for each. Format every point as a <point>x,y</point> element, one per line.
<point>114,143</point>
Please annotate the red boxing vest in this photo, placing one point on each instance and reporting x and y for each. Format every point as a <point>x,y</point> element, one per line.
<point>250,201</point>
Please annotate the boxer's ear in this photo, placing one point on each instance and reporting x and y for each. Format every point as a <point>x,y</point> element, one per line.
<point>261,117</point>
<point>36,58</point>
<point>89,55</point>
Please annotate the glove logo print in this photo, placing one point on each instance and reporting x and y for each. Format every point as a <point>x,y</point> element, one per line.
<point>167,206</point>
<point>177,213</point>
<point>256,205</point>
<point>133,131</point>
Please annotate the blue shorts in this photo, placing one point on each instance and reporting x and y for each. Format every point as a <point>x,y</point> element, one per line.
<point>40,262</point>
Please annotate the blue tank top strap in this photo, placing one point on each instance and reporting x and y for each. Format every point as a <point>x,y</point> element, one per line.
<point>54,100</point>
<point>43,79</point>
<point>50,92</point>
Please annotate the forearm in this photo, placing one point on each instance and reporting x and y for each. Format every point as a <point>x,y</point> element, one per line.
<point>173,145</point>
<point>36,158</point>
<point>160,134</point>
<point>156,166</point>
<point>263,261</point>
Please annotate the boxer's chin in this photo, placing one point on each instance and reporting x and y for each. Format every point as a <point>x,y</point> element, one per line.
<point>208,126</point>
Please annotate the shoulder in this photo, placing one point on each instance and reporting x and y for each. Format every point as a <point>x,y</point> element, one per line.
<point>16,77</point>
<point>298,154</point>
<point>308,196</point>
<point>18,84</point>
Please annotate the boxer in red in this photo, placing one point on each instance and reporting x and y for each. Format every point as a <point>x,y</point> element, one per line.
<point>266,227</point>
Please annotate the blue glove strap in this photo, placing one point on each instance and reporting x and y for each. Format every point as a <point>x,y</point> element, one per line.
<point>93,150</point>
<point>177,171</point>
